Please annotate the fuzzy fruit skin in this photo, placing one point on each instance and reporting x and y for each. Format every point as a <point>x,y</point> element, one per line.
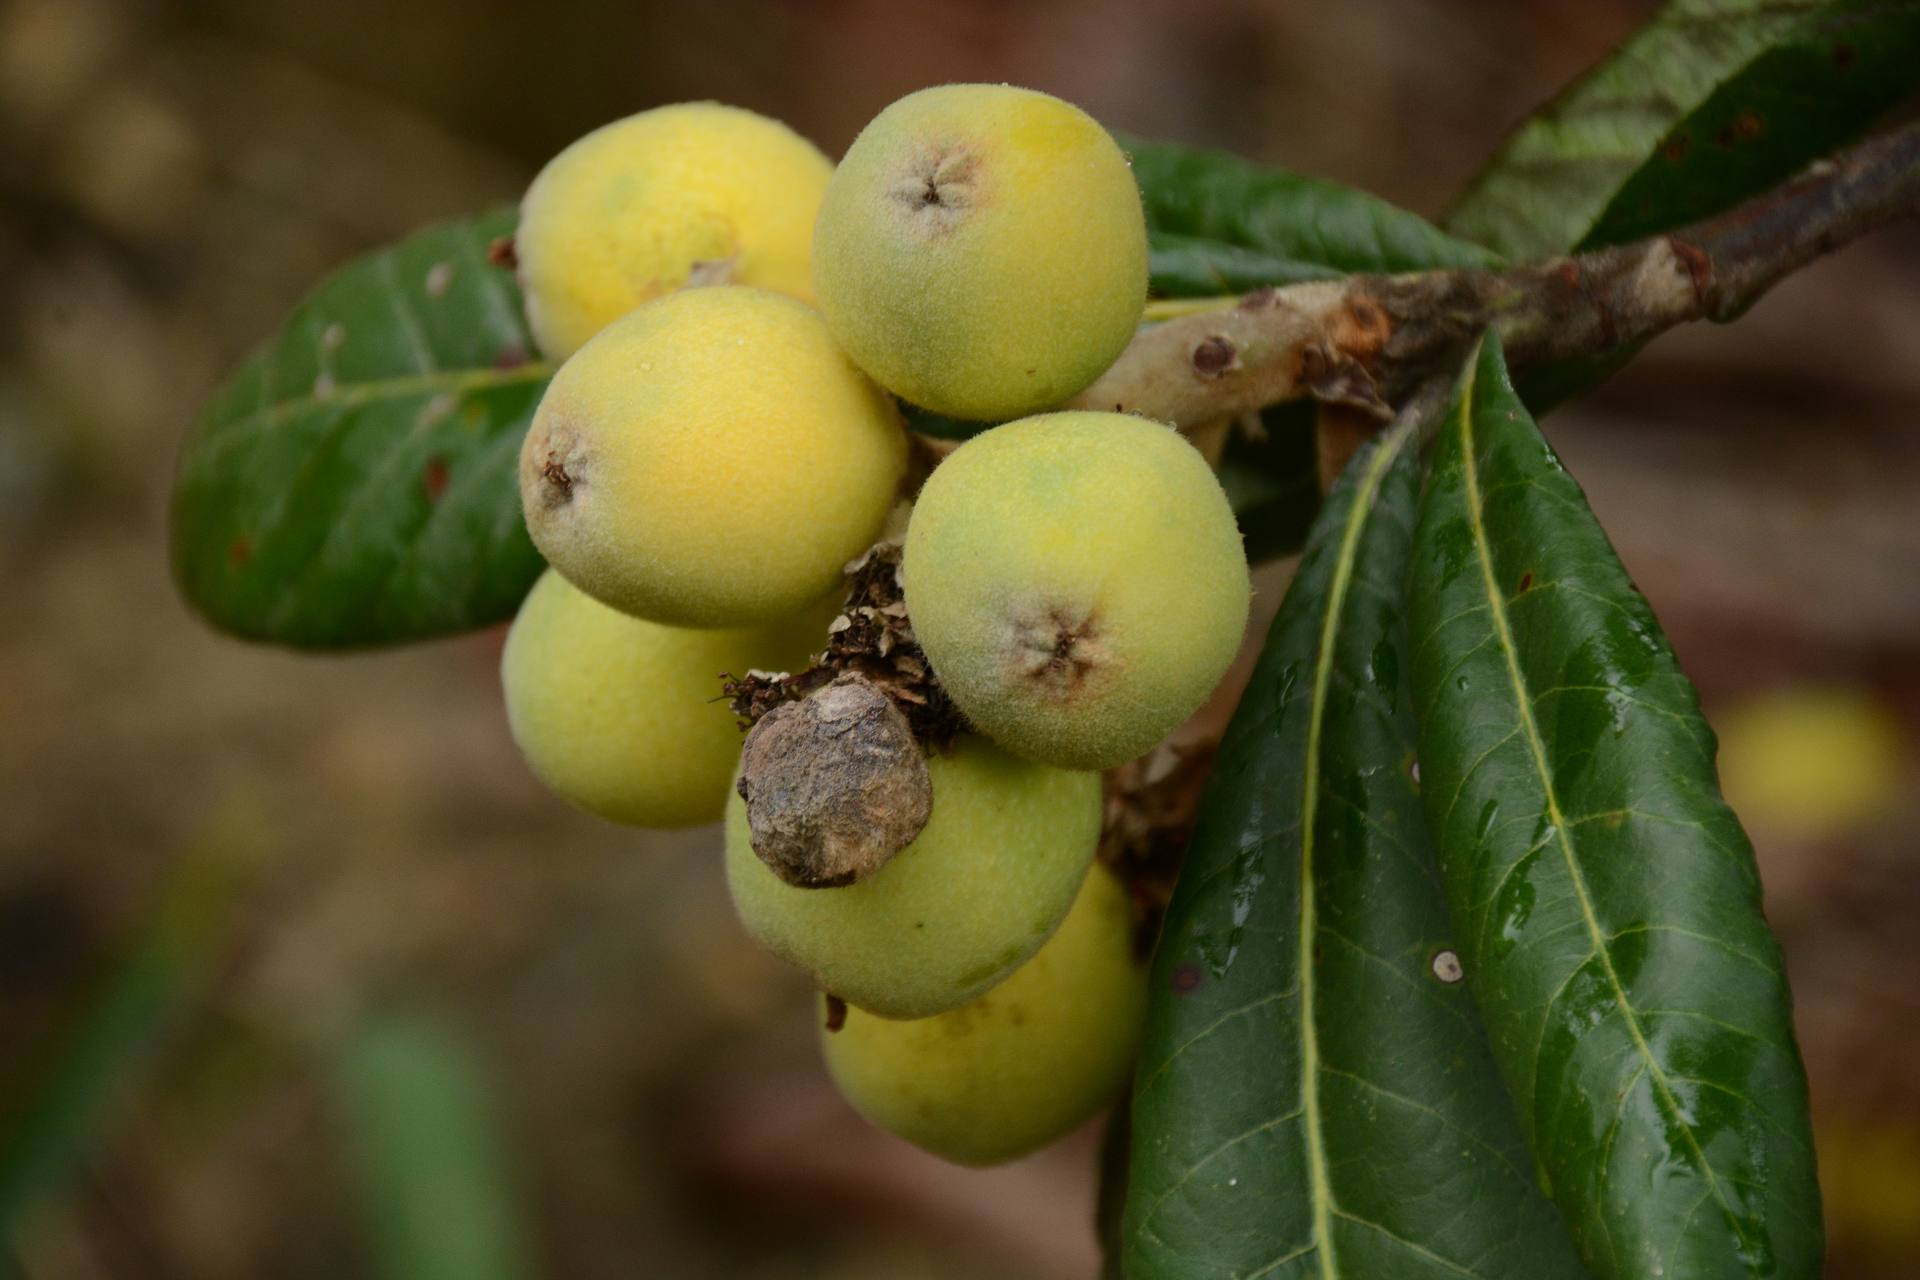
<point>1078,583</point>
<point>1023,1064</point>
<point>629,212</point>
<point>1012,290</point>
<point>982,887</point>
<point>618,715</point>
<point>710,460</point>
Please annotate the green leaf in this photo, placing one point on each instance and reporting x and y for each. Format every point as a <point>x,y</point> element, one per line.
<point>355,482</point>
<point>1313,1097</point>
<point>1606,901</point>
<point>1711,102</point>
<point>433,1172</point>
<point>1219,224</point>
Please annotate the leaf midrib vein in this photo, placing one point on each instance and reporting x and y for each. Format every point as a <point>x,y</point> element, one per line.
<point>1537,748</point>
<point>354,394</point>
<point>1317,1181</point>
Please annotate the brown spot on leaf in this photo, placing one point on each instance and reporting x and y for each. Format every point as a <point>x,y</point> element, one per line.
<point>1187,979</point>
<point>1526,580</point>
<point>1677,148</point>
<point>511,356</point>
<point>433,478</point>
<point>239,551</point>
<point>1748,126</point>
<point>501,253</point>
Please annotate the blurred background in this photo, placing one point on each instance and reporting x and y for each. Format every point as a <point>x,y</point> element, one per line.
<point>315,898</point>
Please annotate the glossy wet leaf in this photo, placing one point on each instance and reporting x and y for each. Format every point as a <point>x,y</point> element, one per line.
<point>1314,1096</point>
<point>1710,102</point>
<point>422,1132</point>
<point>354,483</point>
<point>1219,224</point>
<point>1604,898</point>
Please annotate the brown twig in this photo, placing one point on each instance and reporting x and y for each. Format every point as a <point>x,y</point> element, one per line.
<point>1368,341</point>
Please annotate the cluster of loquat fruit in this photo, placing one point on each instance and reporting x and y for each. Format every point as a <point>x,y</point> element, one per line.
<point>708,460</point>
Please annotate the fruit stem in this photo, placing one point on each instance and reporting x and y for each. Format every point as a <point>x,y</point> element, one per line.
<point>1369,342</point>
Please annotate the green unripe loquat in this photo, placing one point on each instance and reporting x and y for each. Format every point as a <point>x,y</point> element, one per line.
<point>710,460</point>
<point>1078,583</point>
<point>984,884</point>
<point>695,193</point>
<point>621,716</point>
<point>981,250</point>
<point>1019,1066</point>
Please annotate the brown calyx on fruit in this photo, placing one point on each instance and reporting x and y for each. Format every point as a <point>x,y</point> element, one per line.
<point>1058,652</point>
<point>835,785</point>
<point>711,271</point>
<point>552,466</point>
<point>937,188</point>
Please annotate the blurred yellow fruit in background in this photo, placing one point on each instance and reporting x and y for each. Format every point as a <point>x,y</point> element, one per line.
<point>1810,762</point>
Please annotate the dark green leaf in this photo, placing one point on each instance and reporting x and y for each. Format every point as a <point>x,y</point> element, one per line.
<point>1219,224</point>
<point>1184,266</point>
<point>1606,901</point>
<point>1711,102</point>
<point>1315,1098</point>
<point>433,1171</point>
<point>354,483</point>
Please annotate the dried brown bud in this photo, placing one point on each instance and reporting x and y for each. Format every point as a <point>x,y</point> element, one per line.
<point>835,785</point>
